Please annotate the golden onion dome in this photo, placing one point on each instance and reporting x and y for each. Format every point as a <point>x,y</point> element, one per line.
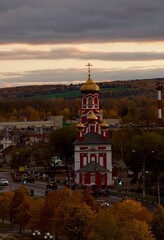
<point>89,85</point>
<point>80,125</point>
<point>92,116</point>
<point>104,124</point>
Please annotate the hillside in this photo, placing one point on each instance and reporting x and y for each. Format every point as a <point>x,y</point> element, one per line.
<point>115,89</point>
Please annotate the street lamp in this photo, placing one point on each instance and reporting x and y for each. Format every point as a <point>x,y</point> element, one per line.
<point>143,167</point>
<point>36,234</point>
<point>48,236</point>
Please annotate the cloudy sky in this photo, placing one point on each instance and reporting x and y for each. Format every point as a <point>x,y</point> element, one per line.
<point>52,41</point>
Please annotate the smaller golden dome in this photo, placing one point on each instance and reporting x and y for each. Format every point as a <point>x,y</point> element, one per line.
<point>80,125</point>
<point>89,85</point>
<point>104,124</point>
<point>92,116</point>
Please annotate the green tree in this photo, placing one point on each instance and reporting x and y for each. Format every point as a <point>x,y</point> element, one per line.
<point>61,142</point>
<point>146,148</point>
<point>20,155</point>
<point>120,141</point>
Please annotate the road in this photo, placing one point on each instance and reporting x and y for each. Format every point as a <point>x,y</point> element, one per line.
<point>39,189</point>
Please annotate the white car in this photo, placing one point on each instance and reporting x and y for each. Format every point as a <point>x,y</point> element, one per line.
<point>4,182</point>
<point>103,203</point>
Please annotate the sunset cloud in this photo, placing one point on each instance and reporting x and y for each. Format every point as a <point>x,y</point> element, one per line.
<point>51,41</point>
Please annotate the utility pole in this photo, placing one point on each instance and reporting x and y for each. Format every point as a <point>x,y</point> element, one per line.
<point>143,167</point>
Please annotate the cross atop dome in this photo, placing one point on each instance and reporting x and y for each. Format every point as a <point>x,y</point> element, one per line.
<point>89,69</point>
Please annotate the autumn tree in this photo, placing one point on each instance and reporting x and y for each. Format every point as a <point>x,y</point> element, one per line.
<point>65,113</point>
<point>65,212</point>
<point>128,212</point>
<point>135,229</point>
<point>19,196</point>
<point>104,226</point>
<point>35,213</point>
<point>5,202</point>
<point>89,200</point>
<point>23,213</point>
<point>77,219</point>
<point>130,209</point>
<point>157,222</point>
<point>30,113</point>
<point>50,218</point>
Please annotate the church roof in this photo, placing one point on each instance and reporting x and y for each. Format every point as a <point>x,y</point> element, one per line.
<point>91,139</point>
<point>104,124</point>
<point>80,125</point>
<point>90,85</point>
<point>92,116</point>
<point>93,167</point>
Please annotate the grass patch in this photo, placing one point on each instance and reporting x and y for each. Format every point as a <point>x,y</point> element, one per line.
<point>5,226</point>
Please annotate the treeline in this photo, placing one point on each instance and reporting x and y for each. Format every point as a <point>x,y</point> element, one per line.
<point>139,110</point>
<point>130,101</point>
<point>112,89</point>
<point>76,215</point>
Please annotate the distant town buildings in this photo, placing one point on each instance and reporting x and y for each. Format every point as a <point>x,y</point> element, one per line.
<point>25,133</point>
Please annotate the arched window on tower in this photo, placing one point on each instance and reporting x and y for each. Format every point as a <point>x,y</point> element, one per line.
<point>90,102</point>
<point>96,100</point>
<point>84,101</point>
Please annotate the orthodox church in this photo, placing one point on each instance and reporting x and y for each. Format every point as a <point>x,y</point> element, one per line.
<point>93,147</point>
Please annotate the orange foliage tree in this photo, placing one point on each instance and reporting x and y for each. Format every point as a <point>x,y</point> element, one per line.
<point>19,196</point>
<point>65,212</point>
<point>35,212</point>
<point>23,213</point>
<point>5,201</point>
<point>133,220</point>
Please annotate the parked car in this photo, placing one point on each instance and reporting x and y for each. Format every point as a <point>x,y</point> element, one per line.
<point>103,203</point>
<point>105,192</point>
<point>97,191</point>
<point>4,182</point>
<point>51,185</point>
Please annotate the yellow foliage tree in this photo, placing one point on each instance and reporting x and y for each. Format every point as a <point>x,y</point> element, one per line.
<point>133,220</point>
<point>65,211</point>
<point>136,230</point>
<point>130,209</point>
<point>77,219</point>
<point>105,226</point>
